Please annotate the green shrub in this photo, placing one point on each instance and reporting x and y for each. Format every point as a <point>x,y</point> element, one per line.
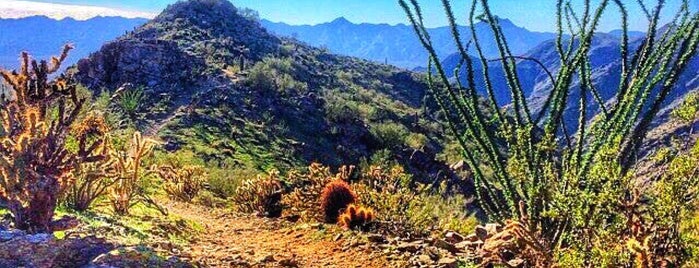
<point>275,75</point>
<point>389,135</point>
<point>223,182</point>
<point>261,195</point>
<point>409,208</point>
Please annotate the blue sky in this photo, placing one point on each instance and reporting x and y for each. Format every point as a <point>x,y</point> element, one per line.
<point>534,15</point>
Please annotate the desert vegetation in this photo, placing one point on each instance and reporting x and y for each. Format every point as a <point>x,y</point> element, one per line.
<point>564,198</point>
<point>267,152</point>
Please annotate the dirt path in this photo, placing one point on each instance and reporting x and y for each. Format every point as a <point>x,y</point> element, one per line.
<point>243,241</point>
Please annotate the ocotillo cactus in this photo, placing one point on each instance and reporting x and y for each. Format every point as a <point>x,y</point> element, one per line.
<point>540,159</point>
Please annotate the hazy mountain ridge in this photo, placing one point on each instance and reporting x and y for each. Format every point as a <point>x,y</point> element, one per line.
<point>398,44</point>
<point>43,36</point>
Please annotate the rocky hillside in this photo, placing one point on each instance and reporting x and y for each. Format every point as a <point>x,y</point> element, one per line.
<point>219,84</point>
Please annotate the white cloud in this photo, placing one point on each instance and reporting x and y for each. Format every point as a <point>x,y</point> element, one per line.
<point>18,9</point>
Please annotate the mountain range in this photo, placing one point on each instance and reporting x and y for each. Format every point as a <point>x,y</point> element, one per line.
<point>43,36</point>
<point>398,44</point>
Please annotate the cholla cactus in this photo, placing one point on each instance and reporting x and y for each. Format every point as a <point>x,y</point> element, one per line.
<point>261,195</point>
<point>182,183</point>
<point>129,188</point>
<point>88,181</point>
<point>34,161</point>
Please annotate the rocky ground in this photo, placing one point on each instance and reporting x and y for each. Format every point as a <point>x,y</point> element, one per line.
<point>225,239</point>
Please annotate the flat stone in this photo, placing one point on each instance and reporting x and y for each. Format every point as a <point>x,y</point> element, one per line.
<point>408,247</point>
<point>448,263</point>
<point>39,238</point>
<point>424,259</point>
<point>517,262</point>
<point>9,235</point>
<point>493,228</point>
<point>468,244</point>
<point>266,258</point>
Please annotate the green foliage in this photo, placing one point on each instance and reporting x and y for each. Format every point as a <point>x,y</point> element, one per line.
<point>567,184</point>
<point>688,111</point>
<point>410,208</point>
<point>389,135</point>
<point>275,75</point>
<point>130,101</point>
<point>261,195</point>
<point>223,182</point>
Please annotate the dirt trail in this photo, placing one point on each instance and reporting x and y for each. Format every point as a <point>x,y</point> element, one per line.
<point>245,241</point>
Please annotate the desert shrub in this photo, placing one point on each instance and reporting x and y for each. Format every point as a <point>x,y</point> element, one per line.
<point>208,199</point>
<point>356,217</point>
<point>34,134</point>
<point>339,110</point>
<point>261,195</point>
<point>406,208</point>
<point>334,198</point>
<point>182,183</point>
<point>89,181</point>
<point>275,75</point>
<point>389,135</point>
<point>575,196</point>
<point>133,181</point>
<point>416,141</point>
<point>223,182</point>
<point>304,198</point>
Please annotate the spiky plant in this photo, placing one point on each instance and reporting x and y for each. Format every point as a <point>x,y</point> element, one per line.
<point>303,199</point>
<point>89,181</point>
<point>130,101</point>
<point>561,179</point>
<point>34,160</point>
<point>261,195</point>
<point>336,196</point>
<point>356,217</point>
<point>182,183</point>
<point>130,187</point>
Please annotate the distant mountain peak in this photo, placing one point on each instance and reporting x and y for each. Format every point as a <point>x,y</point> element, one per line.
<point>341,20</point>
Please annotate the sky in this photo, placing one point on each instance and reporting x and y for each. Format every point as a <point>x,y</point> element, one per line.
<point>535,15</point>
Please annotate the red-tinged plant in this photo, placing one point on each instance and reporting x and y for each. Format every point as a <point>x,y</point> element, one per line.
<point>336,196</point>
<point>356,217</point>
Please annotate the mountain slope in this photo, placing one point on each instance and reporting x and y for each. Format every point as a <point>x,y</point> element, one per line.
<point>44,37</point>
<point>219,84</point>
<point>604,55</point>
<point>398,44</point>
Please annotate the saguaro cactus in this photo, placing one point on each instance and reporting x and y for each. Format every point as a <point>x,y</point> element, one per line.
<point>34,160</point>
